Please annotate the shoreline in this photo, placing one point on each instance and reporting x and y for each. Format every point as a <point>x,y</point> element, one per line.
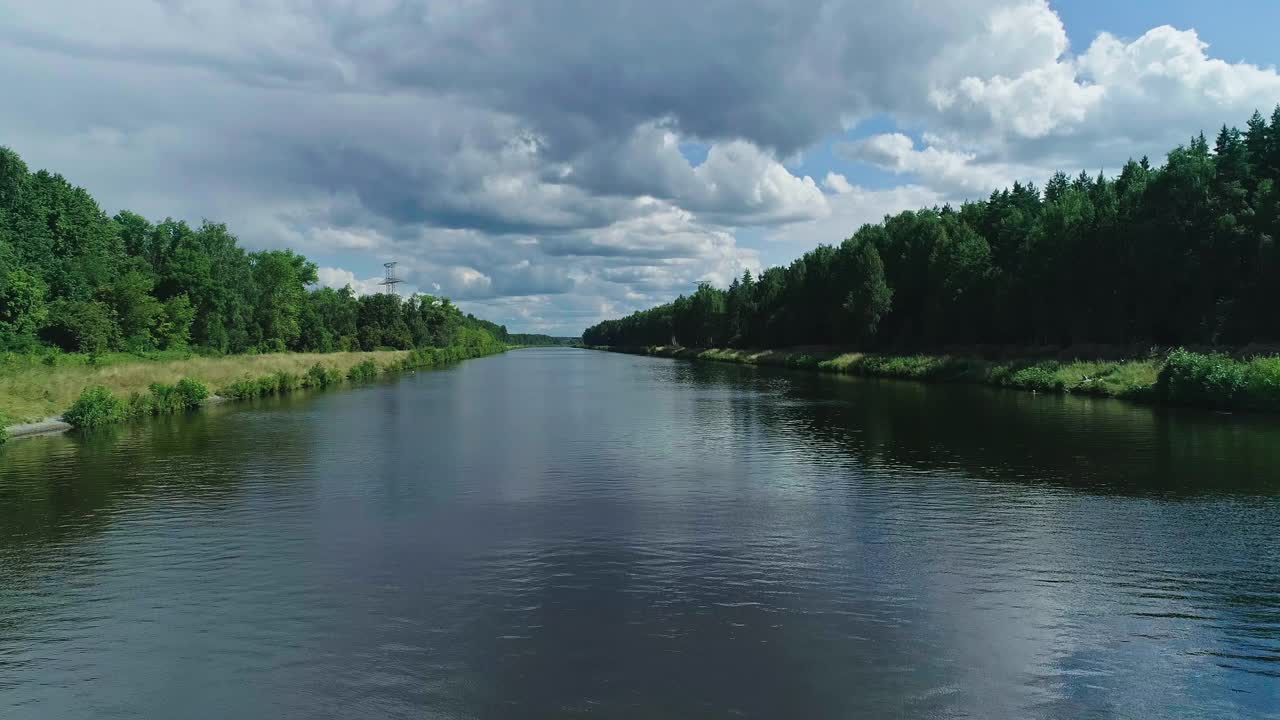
<point>276,383</point>
<point>1179,378</point>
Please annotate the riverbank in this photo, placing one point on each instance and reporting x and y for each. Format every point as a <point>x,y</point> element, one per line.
<point>1179,377</point>
<point>34,396</point>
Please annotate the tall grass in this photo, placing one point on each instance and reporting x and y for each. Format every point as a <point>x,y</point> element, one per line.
<point>96,407</point>
<point>1133,379</point>
<point>1220,382</point>
<point>32,390</point>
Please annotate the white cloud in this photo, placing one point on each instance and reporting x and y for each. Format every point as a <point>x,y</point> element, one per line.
<point>527,158</point>
<point>949,170</point>
<point>837,183</point>
<point>851,210</point>
<point>338,278</point>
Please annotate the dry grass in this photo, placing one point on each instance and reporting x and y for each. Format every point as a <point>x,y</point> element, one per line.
<point>33,392</point>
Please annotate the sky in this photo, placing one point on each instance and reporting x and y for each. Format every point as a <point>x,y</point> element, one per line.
<point>551,164</point>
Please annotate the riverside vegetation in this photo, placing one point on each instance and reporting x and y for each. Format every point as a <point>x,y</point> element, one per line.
<point>1180,255</point>
<point>115,313</point>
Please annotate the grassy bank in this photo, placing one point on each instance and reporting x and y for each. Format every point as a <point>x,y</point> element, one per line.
<point>114,388</point>
<point>1179,377</point>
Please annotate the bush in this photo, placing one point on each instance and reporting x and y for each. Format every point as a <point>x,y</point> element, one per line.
<point>1036,377</point>
<point>320,376</point>
<point>1262,382</point>
<point>167,399</point>
<point>1190,378</point>
<point>192,392</point>
<point>363,371</point>
<point>95,407</point>
<point>4,431</point>
<point>286,381</point>
<point>164,400</point>
<point>251,388</point>
<point>274,384</point>
<point>141,405</point>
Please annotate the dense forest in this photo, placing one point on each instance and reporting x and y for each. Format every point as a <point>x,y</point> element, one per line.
<point>533,339</point>
<point>1180,254</point>
<point>74,278</point>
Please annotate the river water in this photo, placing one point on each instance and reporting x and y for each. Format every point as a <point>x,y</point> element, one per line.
<point>561,533</point>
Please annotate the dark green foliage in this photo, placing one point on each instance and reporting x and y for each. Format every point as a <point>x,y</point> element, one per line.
<point>192,392</point>
<point>165,399</point>
<point>1181,254</point>
<point>1189,378</point>
<point>537,340</point>
<point>363,371</point>
<point>96,407</point>
<point>320,376</point>
<point>23,310</point>
<point>250,388</point>
<point>87,326</point>
<point>1035,378</point>
<point>4,430</point>
<point>74,278</point>
<point>870,297</point>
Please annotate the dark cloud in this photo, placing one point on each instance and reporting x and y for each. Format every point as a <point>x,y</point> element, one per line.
<point>525,156</point>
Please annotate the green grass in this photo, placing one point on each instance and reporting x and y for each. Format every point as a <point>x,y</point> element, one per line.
<point>32,389</point>
<point>1181,377</point>
<point>90,393</point>
<point>95,407</point>
<point>98,406</point>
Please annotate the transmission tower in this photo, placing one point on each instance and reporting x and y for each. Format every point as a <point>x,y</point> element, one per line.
<point>391,281</point>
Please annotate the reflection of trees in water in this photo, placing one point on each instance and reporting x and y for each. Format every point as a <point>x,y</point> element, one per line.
<point>1099,445</point>
<point>61,488</point>
<point>1222,473</point>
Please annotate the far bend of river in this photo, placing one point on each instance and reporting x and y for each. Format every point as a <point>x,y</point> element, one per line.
<point>563,533</point>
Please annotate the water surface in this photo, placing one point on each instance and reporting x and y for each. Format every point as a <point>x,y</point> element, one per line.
<point>561,533</point>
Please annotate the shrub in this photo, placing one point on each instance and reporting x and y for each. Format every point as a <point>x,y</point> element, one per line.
<point>164,399</point>
<point>274,384</point>
<point>1262,381</point>
<point>251,388</point>
<point>363,371</point>
<point>1190,378</point>
<point>4,429</point>
<point>141,405</point>
<point>286,381</point>
<point>95,407</point>
<point>320,376</point>
<point>1036,377</point>
<point>192,392</point>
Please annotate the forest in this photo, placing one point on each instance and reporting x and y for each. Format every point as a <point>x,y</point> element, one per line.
<point>75,279</point>
<point>1181,254</point>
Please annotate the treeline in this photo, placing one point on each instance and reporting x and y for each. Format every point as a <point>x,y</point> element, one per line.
<point>1180,254</point>
<point>536,339</point>
<point>75,278</point>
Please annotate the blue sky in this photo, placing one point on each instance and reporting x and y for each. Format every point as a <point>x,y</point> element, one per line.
<point>550,165</point>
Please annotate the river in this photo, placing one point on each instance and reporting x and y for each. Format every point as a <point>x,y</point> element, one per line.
<point>561,533</point>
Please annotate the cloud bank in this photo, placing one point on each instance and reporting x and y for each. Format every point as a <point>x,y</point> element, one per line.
<point>549,164</point>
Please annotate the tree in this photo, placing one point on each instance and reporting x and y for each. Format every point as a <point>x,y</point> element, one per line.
<point>22,304</point>
<point>280,279</point>
<point>870,298</point>
<point>136,310</point>
<point>87,326</point>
